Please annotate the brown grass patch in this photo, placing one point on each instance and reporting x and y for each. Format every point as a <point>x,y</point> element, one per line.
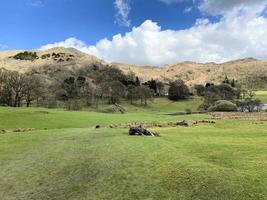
<point>239,115</point>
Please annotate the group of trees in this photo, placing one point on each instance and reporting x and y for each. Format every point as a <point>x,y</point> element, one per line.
<point>90,85</point>
<point>73,89</point>
<point>227,96</point>
<point>16,88</point>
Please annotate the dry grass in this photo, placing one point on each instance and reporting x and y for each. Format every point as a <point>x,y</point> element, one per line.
<point>191,72</point>
<point>238,115</point>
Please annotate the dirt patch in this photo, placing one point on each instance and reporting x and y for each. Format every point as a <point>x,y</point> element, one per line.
<point>239,115</point>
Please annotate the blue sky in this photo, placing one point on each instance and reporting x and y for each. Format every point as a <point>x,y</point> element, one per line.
<point>154,32</point>
<point>28,24</point>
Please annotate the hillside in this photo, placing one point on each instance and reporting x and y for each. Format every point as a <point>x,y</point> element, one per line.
<point>191,72</point>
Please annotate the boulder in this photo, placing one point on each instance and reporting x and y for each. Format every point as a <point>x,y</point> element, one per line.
<point>141,131</point>
<point>182,123</point>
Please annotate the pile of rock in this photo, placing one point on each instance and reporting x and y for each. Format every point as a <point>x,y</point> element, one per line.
<point>18,130</point>
<point>191,123</point>
<point>141,131</point>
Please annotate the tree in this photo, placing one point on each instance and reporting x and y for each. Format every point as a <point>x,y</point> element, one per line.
<point>247,101</point>
<point>152,84</point>
<point>17,83</point>
<point>116,90</point>
<point>161,88</point>
<point>131,93</point>
<point>144,93</point>
<point>178,90</point>
<point>137,81</point>
<point>33,88</point>
<point>226,80</point>
<point>200,90</point>
<point>5,91</point>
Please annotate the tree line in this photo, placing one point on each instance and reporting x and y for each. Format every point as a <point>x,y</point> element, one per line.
<point>52,86</point>
<point>90,85</point>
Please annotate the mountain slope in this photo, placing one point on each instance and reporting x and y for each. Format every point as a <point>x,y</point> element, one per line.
<point>191,72</point>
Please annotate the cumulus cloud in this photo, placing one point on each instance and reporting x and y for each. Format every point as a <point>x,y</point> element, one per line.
<point>123,9</point>
<point>234,36</point>
<point>70,42</point>
<point>223,7</point>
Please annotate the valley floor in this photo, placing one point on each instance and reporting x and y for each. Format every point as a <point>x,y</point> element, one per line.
<point>65,157</point>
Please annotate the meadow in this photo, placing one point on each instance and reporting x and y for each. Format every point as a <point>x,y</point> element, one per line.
<point>65,157</point>
<point>262,95</point>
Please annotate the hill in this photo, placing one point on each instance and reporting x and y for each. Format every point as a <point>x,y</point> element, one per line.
<point>191,72</point>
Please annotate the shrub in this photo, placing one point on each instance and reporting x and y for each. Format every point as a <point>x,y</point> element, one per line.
<point>26,55</point>
<point>188,111</point>
<point>223,106</point>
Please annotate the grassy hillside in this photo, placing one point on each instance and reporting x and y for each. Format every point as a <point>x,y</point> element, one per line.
<point>191,72</point>
<point>67,158</point>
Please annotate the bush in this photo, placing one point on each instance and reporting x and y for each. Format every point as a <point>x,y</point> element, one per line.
<point>188,111</point>
<point>26,55</point>
<point>223,106</point>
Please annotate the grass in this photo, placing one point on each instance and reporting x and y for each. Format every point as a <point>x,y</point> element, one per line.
<point>39,118</point>
<point>72,160</point>
<point>262,95</point>
<point>162,105</point>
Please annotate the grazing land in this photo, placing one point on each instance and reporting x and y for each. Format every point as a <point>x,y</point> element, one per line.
<point>65,157</point>
<point>262,95</point>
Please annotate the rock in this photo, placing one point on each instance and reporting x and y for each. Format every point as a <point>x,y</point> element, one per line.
<point>3,131</point>
<point>191,123</point>
<point>207,122</point>
<point>182,123</point>
<point>17,130</point>
<point>141,131</point>
<point>118,108</point>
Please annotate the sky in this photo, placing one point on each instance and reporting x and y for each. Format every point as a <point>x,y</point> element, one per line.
<point>143,32</point>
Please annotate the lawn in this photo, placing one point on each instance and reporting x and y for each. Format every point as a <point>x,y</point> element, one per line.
<point>262,95</point>
<point>73,160</point>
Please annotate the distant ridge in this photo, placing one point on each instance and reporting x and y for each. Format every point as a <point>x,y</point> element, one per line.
<point>191,72</point>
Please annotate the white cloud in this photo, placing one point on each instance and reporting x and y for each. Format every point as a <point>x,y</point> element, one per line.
<point>35,3</point>
<point>222,7</point>
<point>188,9</point>
<point>234,36</point>
<point>70,42</point>
<point>123,9</point>
<point>171,1</point>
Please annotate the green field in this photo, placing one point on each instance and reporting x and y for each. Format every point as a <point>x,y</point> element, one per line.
<point>262,95</point>
<point>67,158</point>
